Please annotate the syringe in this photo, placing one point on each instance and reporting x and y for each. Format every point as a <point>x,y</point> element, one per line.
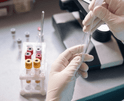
<point>87,36</point>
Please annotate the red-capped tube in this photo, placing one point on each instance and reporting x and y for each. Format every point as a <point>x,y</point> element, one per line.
<point>39,56</point>
<point>27,55</point>
<point>30,49</point>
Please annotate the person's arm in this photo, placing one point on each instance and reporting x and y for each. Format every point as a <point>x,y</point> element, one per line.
<point>111,12</point>
<point>64,72</point>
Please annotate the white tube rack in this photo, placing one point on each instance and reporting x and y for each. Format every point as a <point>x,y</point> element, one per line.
<point>43,75</point>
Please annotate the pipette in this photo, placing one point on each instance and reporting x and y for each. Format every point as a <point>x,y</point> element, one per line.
<point>42,23</point>
<point>87,36</point>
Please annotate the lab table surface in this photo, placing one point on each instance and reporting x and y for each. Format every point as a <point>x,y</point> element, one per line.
<point>10,60</point>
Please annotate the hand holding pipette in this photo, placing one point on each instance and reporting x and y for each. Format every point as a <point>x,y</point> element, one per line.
<point>87,36</point>
<point>62,76</point>
<point>110,12</point>
<point>64,71</point>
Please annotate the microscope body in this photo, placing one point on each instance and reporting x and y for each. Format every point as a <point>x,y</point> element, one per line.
<point>106,49</point>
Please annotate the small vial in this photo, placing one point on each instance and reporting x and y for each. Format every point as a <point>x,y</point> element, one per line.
<point>27,35</point>
<point>27,55</point>
<point>13,31</point>
<point>30,49</point>
<point>19,41</point>
<point>28,66</point>
<point>37,65</point>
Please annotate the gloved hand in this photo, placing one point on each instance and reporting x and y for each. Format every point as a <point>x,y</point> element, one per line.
<point>64,73</point>
<point>111,12</point>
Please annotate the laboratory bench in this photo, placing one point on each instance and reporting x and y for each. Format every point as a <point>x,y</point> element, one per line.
<point>10,59</point>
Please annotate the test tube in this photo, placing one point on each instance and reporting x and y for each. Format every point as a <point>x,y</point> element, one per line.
<point>28,66</point>
<point>37,65</point>
<point>27,35</point>
<point>19,41</point>
<point>13,31</point>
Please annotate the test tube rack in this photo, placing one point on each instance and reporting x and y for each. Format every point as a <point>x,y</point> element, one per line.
<point>28,82</point>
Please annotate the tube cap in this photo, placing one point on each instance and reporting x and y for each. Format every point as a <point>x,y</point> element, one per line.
<point>13,30</point>
<point>27,55</point>
<point>39,56</point>
<point>28,64</point>
<point>39,50</point>
<point>19,41</point>
<point>36,63</point>
<point>27,34</point>
<point>30,49</point>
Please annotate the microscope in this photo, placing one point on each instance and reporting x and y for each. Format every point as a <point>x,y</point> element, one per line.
<point>107,50</point>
